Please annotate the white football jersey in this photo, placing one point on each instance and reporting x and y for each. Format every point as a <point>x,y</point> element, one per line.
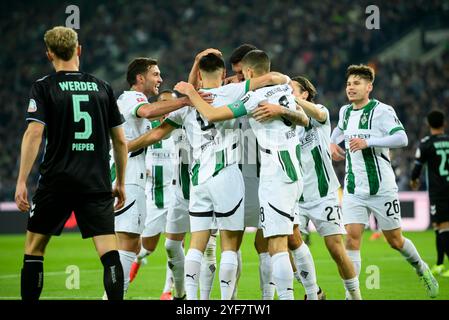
<point>215,145</point>
<point>369,171</point>
<point>160,163</point>
<point>279,137</point>
<point>319,175</point>
<point>129,102</point>
<point>183,151</point>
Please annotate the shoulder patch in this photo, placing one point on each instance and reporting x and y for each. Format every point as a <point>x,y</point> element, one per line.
<point>32,106</point>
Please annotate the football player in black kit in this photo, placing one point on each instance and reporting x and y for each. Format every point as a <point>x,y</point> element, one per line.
<point>433,151</point>
<point>78,115</point>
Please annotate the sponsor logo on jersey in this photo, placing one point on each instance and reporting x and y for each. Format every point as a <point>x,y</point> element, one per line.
<point>32,106</point>
<point>140,99</point>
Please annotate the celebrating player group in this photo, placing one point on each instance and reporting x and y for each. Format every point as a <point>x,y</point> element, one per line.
<point>213,156</point>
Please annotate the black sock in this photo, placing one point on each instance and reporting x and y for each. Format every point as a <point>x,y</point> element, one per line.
<point>444,238</point>
<point>440,250</point>
<point>32,277</point>
<point>113,275</point>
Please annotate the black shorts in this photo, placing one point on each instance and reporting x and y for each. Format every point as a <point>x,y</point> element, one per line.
<point>439,210</point>
<point>94,213</point>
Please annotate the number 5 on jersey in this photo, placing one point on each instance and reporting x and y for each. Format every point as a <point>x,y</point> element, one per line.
<point>79,115</point>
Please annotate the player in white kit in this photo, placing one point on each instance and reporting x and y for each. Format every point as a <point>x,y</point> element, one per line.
<point>144,78</point>
<point>215,153</point>
<point>280,182</point>
<point>370,128</point>
<point>318,201</point>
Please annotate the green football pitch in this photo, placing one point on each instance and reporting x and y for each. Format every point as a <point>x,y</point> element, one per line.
<point>385,275</point>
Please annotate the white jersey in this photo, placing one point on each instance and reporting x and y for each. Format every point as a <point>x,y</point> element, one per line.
<point>134,126</point>
<point>215,145</point>
<point>277,138</point>
<point>369,171</point>
<point>319,175</point>
<point>181,173</point>
<point>160,162</point>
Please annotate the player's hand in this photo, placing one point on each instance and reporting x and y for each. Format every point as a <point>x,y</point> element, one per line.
<point>184,88</point>
<point>356,144</point>
<point>206,96</point>
<point>338,154</point>
<point>414,184</point>
<point>119,193</point>
<point>265,112</point>
<point>231,79</point>
<point>21,197</point>
<point>206,52</point>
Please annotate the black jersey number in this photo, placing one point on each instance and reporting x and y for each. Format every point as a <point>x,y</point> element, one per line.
<point>392,205</point>
<point>283,101</point>
<point>79,115</point>
<point>210,127</point>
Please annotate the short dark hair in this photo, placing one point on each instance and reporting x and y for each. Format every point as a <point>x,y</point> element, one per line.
<point>258,60</point>
<point>138,66</point>
<point>361,70</point>
<point>435,119</point>
<point>211,63</point>
<point>239,52</point>
<point>306,85</point>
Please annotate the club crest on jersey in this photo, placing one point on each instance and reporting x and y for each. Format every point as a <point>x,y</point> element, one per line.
<point>32,106</point>
<point>364,119</point>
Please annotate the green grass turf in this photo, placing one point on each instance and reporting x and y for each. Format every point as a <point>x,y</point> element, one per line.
<point>398,279</point>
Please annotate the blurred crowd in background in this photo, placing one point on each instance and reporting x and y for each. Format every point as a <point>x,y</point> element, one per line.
<point>315,39</point>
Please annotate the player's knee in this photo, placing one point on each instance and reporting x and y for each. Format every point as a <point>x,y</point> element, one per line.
<point>294,242</point>
<point>352,243</point>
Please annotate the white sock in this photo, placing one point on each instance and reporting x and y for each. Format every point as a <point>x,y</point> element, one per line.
<point>297,276</point>
<point>168,279</point>
<point>283,275</point>
<point>208,267</point>
<point>356,259</point>
<point>143,253</point>
<point>352,288</point>
<point>176,258</point>
<point>126,258</point>
<point>192,269</point>
<point>228,273</point>
<point>239,272</point>
<point>265,275</point>
<point>306,267</point>
<point>412,256</point>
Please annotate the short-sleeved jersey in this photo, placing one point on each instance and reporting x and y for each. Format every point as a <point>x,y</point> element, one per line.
<point>279,137</point>
<point>433,151</point>
<point>215,145</point>
<point>319,177</point>
<point>129,102</point>
<point>369,171</point>
<point>78,111</point>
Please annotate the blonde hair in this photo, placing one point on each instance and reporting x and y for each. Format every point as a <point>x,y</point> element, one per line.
<point>62,42</point>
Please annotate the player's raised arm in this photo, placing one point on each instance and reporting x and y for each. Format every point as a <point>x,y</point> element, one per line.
<point>266,112</point>
<point>151,137</point>
<point>268,79</point>
<point>31,142</point>
<point>209,112</point>
<point>193,75</point>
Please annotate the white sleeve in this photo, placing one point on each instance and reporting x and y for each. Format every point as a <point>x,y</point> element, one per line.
<point>389,122</point>
<point>341,116</point>
<point>396,140</point>
<point>337,135</point>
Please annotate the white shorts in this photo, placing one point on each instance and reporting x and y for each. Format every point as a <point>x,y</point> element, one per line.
<point>386,209</point>
<point>252,207</point>
<point>156,219</point>
<point>277,206</point>
<point>178,214</point>
<point>220,198</point>
<point>324,213</point>
<point>131,218</point>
